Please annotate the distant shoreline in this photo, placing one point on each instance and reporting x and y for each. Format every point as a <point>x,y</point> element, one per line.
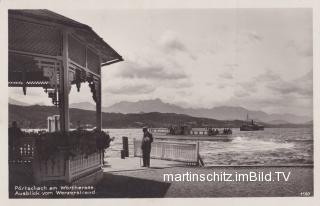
<point>159,127</point>
<point>36,117</point>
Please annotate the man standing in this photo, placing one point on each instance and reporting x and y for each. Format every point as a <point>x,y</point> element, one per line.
<point>146,146</point>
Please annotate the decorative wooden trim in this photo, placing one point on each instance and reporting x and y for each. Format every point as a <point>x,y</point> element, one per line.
<point>28,84</point>
<point>86,69</point>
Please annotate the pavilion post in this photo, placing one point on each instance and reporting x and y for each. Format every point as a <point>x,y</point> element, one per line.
<point>98,106</point>
<point>64,86</point>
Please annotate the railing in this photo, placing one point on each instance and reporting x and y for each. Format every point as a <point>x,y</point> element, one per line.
<point>82,164</point>
<point>59,168</point>
<point>177,151</point>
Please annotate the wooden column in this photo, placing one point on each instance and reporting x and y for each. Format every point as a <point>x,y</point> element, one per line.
<point>64,86</point>
<point>98,106</point>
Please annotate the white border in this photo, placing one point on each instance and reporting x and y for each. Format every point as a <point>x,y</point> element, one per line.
<point>155,4</point>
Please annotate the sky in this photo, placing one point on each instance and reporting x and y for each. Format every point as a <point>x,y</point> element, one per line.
<point>260,59</point>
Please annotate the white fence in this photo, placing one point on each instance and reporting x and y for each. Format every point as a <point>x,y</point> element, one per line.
<point>59,168</point>
<point>83,164</point>
<point>177,151</point>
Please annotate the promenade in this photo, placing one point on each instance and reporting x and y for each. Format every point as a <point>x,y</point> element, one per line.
<point>140,182</point>
<point>129,180</point>
<point>116,164</point>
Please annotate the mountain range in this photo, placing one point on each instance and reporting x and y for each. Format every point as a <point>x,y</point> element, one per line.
<point>35,116</point>
<point>219,113</point>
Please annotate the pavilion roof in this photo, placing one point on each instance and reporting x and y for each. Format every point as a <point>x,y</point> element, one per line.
<point>47,15</point>
<point>108,54</point>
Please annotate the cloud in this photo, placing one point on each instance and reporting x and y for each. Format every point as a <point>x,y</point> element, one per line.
<point>249,86</point>
<point>35,95</point>
<point>301,86</point>
<point>302,49</point>
<point>269,75</point>
<point>214,47</point>
<point>221,86</point>
<point>231,66</point>
<point>34,92</point>
<point>150,70</point>
<point>307,77</point>
<point>171,42</point>
<point>131,89</point>
<point>253,36</point>
<point>226,75</point>
<point>248,37</point>
<point>179,84</point>
<point>273,93</point>
<point>291,88</point>
<point>241,93</point>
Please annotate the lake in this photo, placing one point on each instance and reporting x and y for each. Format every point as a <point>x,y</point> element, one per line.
<point>273,146</point>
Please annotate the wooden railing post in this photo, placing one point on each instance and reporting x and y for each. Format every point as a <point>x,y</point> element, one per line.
<point>197,152</point>
<point>134,147</point>
<point>125,145</point>
<point>162,150</point>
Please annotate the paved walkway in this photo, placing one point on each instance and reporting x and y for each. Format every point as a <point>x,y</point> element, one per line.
<point>116,164</point>
<point>150,183</point>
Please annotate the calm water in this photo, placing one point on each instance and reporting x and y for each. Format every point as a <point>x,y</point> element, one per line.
<point>273,146</point>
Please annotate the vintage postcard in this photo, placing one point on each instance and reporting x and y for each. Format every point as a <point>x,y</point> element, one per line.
<point>160,102</point>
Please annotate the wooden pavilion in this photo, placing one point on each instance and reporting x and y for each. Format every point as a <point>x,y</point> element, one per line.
<point>54,52</point>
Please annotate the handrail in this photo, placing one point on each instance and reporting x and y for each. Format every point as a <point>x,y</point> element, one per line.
<point>167,150</point>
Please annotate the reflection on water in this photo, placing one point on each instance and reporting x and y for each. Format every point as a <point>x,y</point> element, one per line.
<point>270,147</point>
